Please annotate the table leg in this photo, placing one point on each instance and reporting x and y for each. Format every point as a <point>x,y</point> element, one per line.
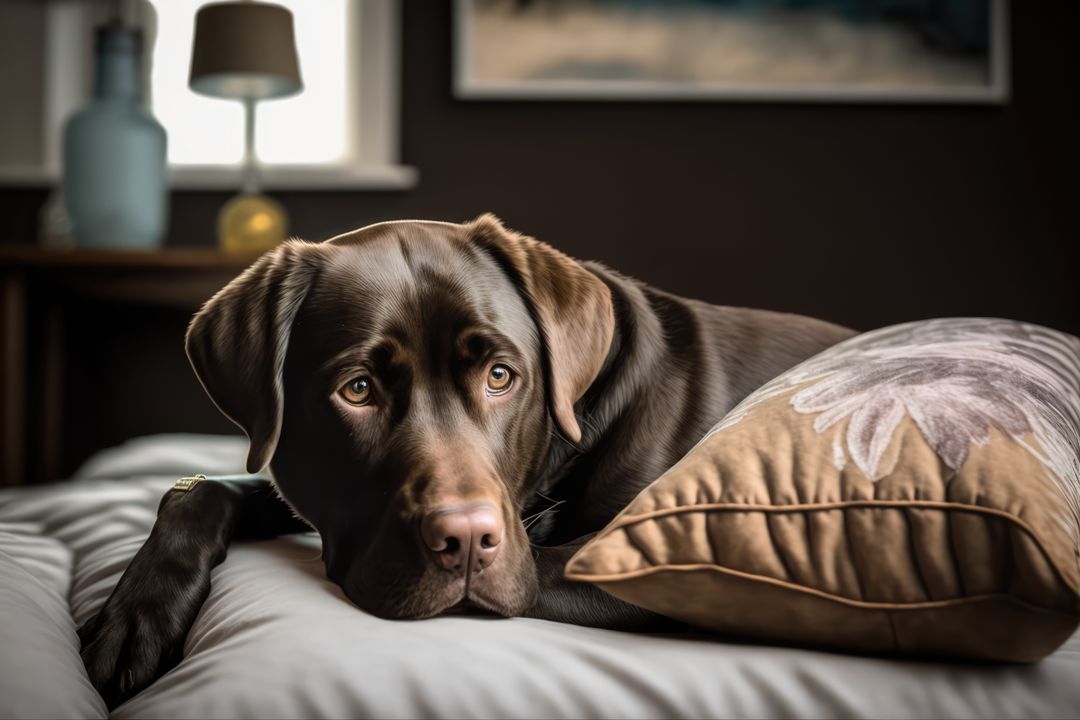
<point>52,400</point>
<point>12,378</point>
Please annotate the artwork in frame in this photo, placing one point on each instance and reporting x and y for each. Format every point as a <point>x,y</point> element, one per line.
<point>754,50</point>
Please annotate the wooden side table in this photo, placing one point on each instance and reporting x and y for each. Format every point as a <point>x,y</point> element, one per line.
<point>175,277</point>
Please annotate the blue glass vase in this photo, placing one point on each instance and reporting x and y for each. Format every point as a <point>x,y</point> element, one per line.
<point>115,183</point>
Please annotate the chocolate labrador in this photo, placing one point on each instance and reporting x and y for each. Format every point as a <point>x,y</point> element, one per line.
<point>454,409</point>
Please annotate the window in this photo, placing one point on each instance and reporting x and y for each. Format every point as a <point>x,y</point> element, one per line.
<point>339,132</point>
<point>210,131</point>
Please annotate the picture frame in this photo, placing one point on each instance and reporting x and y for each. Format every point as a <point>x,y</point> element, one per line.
<point>731,50</point>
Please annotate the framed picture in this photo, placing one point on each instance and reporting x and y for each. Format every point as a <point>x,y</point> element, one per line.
<point>755,50</point>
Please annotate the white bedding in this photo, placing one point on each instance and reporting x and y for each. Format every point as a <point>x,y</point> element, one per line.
<point>276,639</point>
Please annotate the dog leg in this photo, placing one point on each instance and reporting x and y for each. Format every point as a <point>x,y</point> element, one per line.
<point>578,603</point>
<point>139,633</point>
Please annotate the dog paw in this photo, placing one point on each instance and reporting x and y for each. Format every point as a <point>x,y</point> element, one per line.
<point>139,633</point>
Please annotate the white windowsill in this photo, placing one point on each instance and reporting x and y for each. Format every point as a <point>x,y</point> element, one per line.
<point>297,177</point>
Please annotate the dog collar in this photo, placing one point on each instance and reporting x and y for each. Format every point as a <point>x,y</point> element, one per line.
<point>187,483</point>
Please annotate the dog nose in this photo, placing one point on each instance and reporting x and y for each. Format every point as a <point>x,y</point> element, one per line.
<point>463,538</point>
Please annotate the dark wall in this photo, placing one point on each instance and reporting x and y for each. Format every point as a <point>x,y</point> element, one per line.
<point>865,215</point>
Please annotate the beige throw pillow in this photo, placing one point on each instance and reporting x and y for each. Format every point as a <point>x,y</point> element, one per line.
<point>914,490</point>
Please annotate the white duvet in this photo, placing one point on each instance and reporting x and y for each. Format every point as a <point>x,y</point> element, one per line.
<point>276,639</point>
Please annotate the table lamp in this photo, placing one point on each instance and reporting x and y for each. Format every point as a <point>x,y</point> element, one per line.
<point>246,51</point>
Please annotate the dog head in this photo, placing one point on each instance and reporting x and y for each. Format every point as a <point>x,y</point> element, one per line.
<point>403,382</point>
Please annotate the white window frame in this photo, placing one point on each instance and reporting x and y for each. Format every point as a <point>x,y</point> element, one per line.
<point>373,103</point>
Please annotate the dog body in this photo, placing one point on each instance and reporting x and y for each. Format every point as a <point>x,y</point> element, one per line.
<point>454,408</point>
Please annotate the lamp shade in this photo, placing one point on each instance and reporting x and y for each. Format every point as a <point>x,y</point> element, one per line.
<point>244,50</point>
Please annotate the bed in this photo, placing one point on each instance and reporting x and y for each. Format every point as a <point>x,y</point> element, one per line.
<point>276,639</point>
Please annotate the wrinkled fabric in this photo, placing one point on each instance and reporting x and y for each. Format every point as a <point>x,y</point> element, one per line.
<point>276,639</point>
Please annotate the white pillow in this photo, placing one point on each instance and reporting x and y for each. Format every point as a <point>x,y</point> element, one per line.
<point>41,674</point>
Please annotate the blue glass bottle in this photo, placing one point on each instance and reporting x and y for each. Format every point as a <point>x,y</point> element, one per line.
<point>115,182</point>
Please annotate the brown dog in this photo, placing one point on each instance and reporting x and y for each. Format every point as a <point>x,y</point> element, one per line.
<point>454,408</point>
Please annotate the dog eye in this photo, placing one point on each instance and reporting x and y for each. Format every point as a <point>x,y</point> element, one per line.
<point>499,379</point>
<point>357,391</point>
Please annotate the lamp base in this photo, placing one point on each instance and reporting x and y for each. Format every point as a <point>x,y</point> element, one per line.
<point>251,223</point>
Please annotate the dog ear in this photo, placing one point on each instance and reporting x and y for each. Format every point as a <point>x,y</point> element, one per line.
<point>570,304</point>
<point>236,343</point>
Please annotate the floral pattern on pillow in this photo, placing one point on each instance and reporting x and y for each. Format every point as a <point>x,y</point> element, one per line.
<point>956,378</point>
